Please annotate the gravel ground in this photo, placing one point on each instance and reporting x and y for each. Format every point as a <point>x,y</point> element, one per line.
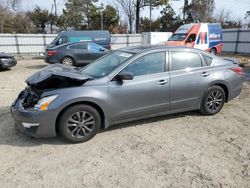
<point>181,150</point>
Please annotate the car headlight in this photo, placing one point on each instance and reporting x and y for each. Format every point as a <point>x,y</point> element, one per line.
<point>44,102</point>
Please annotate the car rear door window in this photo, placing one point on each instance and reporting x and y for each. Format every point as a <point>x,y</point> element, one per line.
<point>94,47</point>
<point>78,46</point>
<point>183,60</point>
<point>148,64</point>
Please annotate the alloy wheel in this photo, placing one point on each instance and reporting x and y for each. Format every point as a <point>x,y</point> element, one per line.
<point>214,101</point>
<point>80,124</point>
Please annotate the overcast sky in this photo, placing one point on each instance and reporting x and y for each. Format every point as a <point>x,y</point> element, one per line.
<point>237,8</point>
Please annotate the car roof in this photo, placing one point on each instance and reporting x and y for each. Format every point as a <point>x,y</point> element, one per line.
<point>74,43</point>
<point>145,48</point>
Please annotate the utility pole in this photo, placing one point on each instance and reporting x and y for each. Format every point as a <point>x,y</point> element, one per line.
<point>184,10</point>
<point>150,16</point>
<point>55,4</point>
<point>100,8</point>
<point>101,20</point>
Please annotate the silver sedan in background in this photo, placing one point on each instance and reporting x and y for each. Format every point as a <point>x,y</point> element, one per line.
<point>125,85</point>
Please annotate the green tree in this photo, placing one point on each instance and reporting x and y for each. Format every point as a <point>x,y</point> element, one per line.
<point>200,11</point>
<point>39,18</point>
<point>145,25</point>
<point>110,18</point>
<point>76,12</point>
<point>139,4</point>
<point>169,21</point>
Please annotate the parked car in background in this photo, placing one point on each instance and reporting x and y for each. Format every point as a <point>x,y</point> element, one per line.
<point>125,85</point>
<point>7,60</point>
<point>78,53</point>
<point>204,36</point>
<point>100,37</point>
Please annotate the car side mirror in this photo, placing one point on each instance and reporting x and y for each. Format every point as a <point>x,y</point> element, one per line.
<point>101,49</point>
<point>125,76</point>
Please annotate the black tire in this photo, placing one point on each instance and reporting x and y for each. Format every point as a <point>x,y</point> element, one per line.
<point>68,61</point>
<point>213,101</point>
<point>213,51</point>
<point>73,125</point>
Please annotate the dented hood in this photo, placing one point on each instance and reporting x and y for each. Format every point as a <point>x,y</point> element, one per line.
<point>57,70</point>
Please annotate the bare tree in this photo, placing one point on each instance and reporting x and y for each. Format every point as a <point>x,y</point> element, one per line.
<point>128,7</point>
<point>5,12</point>
<point>222,16</point>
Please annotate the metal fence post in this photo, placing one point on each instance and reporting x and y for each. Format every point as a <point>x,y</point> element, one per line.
<point>17,44</point>
<point>127,40</point>
<point>44,41</point>
<point>237,41</point>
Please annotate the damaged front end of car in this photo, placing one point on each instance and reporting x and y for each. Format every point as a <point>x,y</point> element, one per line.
<point>52,78</point>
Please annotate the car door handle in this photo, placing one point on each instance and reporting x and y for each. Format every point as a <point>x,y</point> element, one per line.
<point>162,82</point>
<point>205,74</point>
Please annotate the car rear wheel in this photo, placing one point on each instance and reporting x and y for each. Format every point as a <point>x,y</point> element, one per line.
<point>68,61</point>
<point>213,101</point>
<point>79,123</point>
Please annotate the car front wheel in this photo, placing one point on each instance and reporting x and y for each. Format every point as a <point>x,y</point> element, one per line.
<point>79,123</point>
<point>213,100</point>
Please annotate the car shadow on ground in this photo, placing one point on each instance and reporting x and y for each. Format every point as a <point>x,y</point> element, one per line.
<point>5,69</point>
<point>36,66</point>
<point>9,135</point>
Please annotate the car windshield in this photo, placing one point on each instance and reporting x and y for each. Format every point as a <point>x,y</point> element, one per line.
<point>178,37</point>
<point>103,66</point>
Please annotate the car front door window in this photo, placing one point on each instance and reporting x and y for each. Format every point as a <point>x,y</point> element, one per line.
<point>148,64</point>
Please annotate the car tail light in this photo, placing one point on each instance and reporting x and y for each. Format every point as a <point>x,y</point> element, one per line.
<point>51,53</point>
<point>238,71</point>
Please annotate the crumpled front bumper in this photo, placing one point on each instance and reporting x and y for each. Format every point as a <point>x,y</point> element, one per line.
<point>6,63</point>
<point>34,123</point>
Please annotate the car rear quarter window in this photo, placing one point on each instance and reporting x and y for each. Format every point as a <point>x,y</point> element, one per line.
<point>183,60</point>
<point>208,59</point>
<point>148,64</point>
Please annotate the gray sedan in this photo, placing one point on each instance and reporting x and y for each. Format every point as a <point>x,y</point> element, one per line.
<point>74,54</point>
<point>7,61</point>
<point>129,84</point>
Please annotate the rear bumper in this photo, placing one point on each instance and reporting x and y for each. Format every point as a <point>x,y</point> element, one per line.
<point>7,63</point>
<point>51,60</point>
<point>235,89</point>
<point>34,123</point>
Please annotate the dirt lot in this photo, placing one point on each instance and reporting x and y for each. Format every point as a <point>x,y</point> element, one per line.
<point>182,150</point>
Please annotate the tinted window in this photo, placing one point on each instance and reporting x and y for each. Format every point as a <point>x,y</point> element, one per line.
<point>182,60</point>
<point>95,47</point>
<point>208,59</point>
<point>178,37</point>
<point>148,64</point>
<point>78,46</point>
<point>62,40</point>
<point>191,38</point>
